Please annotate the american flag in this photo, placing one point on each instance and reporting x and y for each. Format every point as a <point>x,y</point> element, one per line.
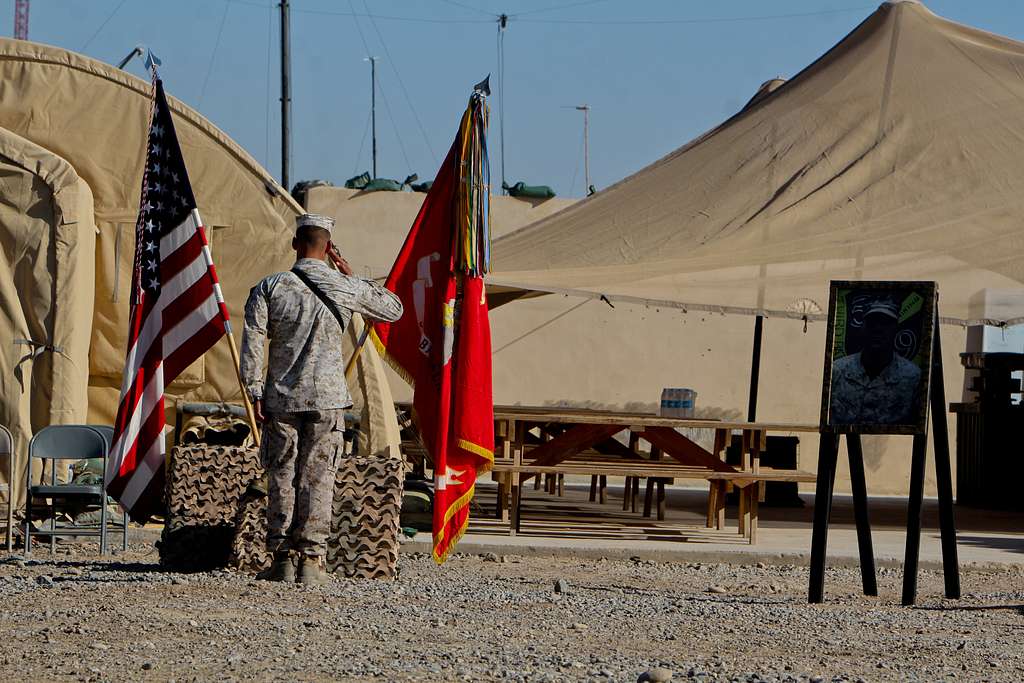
<point>177,313</point>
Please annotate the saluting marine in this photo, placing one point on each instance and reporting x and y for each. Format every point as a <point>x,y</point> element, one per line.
<point>302,402</point>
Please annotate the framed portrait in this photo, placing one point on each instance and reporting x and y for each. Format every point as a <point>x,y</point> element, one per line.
<point>878,357</point>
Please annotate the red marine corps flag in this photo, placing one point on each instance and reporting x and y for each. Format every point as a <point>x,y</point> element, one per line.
<point>177,313</point>
<point>444,349</point>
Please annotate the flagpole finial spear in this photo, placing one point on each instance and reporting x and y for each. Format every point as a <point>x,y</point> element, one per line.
<point>483,87</point>
<point>152,62</point>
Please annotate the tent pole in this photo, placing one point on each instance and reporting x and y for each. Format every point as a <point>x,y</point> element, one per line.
<point>755,368</point>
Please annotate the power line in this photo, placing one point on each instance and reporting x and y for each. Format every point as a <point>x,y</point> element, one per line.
<point>710,20</point>
<point>103,25</point>
<point>394,18</point>
<point>362,144</point>
<point>387,105</point>
<point>213,55</point>
<point>366,46</point>
<point>517,17</point>
<point>557,7</point>
<point>455,3</point>
<point>353,13</point>
<point>401,145</point>
<point>405,93</point>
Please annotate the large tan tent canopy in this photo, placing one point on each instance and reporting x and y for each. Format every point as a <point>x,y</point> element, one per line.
<point>896,155</point>
<point>72,143</point>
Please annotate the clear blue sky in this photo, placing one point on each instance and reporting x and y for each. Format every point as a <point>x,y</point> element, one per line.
<point>656,73</point>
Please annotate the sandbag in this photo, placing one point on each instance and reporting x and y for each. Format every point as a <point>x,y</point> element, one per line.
<point>521,189</point>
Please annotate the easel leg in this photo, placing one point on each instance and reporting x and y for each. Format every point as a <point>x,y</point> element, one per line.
<point>602,489</point>
<point>914,518</point>
<point>828,449</point>
<point>593,488</point>
<point>860,512</point>
<point>943,475</point>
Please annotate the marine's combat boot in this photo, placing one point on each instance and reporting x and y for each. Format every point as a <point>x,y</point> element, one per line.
<point>282,569</point>
<point>312,572</point>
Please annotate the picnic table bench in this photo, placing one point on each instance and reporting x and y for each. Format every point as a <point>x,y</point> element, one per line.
<point>534,441</point>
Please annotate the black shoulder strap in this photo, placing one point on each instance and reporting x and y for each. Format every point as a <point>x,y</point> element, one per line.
<point>320,295</point>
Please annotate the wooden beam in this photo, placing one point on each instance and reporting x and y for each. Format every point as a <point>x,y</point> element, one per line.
<point>570,443</point>
<point>683,450</point>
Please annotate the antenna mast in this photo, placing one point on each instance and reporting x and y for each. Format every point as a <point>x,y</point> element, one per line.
<point>286,93</point>
<point>502,25</point>
<point>585,108</point>
<point>21,19</point>
<point>373,110</point>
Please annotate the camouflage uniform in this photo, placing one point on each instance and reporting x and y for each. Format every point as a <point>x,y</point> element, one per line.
<point>888,398</point>
<point>305,394</point>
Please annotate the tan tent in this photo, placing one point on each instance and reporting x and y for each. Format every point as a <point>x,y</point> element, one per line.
<point>892,156</point>
<point>896,155</point>
<point>72,133</point>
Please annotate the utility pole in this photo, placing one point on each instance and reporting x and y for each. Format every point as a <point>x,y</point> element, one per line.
<point>585,108</point>
<point>373,109</point>
<point>286,93</point>
<point>21,19</point>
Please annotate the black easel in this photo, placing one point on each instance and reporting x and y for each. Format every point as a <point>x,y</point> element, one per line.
<point>828,454</point>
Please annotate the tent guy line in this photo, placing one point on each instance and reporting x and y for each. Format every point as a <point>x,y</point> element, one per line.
<point>724,310</point>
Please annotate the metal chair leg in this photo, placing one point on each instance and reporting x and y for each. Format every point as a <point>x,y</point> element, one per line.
<point>28,518</point>
<point>103,523</point>
<point>53,510</point>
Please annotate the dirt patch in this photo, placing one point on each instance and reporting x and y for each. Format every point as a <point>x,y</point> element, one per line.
<point>74,617</point>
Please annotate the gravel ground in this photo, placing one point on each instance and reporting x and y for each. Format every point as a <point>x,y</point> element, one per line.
<point>75,617</point>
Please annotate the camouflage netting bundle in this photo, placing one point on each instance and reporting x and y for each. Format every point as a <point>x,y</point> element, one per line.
<point>249,546</point>
<point>365,526</point>
<point>217,510</point>
<point>204,492</point>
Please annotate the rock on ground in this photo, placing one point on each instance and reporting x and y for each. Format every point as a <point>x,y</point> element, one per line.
<point>75,617</point>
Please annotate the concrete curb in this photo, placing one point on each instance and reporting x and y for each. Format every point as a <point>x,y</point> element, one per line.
<point>692,553</point>
<point>680,553</point>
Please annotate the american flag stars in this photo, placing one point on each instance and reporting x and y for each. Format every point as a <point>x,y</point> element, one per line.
<point>167,199</point>
<point>176,290</point>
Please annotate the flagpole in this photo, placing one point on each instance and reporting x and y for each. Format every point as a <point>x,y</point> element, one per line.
<point>237,361</point>
<point>351,364</point>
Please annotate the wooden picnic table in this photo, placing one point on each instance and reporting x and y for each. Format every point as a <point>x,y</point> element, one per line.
<point>532,441</point>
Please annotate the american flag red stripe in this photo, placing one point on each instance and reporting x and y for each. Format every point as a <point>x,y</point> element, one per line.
<point>177,314</point>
